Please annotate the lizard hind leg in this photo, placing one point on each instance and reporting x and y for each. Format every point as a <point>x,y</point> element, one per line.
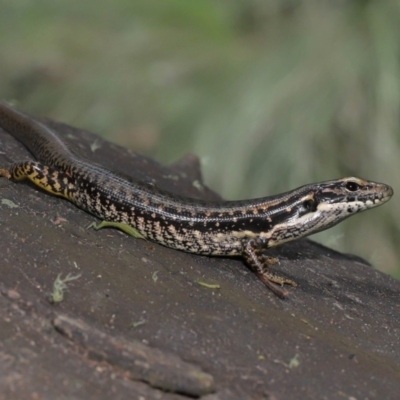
<point>259,263</point>
<point>50,179</point>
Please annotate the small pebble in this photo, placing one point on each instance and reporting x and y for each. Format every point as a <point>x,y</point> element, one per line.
<point>13,294</point>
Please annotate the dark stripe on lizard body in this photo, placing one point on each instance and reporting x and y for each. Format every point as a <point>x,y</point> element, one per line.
<point>234,228</point>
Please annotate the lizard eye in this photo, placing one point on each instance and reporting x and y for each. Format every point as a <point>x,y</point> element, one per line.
<point>352,186</point>
<point>310,205</point>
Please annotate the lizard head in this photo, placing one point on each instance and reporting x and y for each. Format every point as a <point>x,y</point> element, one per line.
<point>319,206</point>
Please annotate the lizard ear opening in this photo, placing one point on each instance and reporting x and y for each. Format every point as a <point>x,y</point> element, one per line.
<point>310,205</point>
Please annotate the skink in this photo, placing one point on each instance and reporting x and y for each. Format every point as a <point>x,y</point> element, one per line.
<point>243,228</point>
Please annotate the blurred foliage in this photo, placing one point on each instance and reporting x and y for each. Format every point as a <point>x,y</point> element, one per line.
<point>271,94</point>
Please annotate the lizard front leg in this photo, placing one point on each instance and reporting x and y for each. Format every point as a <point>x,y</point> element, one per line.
<point>253,254</point>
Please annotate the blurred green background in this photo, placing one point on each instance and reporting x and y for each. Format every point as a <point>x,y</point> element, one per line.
<point>270,94</point>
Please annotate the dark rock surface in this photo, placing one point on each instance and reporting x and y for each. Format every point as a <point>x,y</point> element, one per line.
<point>137,325</point>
